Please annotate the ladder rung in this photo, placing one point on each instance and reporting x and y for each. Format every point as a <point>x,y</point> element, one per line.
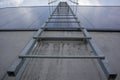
<point>63,18</point>
<point>62,6</point>
<point>62,38</point>
<point>62,15</point>
<point>64,29</point>
<point>62,57</point>
<point>62,22</point>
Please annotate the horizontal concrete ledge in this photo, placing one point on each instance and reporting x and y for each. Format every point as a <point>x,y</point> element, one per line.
<point>62,38</point>
<point>62,29</point>
<point>15,29</point>
<point>62,57</point>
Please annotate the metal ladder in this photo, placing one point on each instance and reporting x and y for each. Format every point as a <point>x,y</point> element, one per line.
<point>61,17</point>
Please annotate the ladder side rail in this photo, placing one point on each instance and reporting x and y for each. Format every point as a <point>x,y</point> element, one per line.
<point>110,74</point>
<point>15,67</point>
<point>18,76</point>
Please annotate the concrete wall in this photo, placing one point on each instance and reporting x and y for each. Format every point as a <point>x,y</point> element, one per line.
<point>109,43</point>
<point>11,43</point>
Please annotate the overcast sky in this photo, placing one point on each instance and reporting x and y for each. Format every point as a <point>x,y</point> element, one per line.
<point>5,3</point>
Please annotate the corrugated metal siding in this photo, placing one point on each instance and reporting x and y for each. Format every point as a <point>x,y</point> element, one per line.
<point>95,18</point>
<point>23,18</point>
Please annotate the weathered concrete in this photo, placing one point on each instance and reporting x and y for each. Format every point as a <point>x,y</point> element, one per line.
<point>109,43</point>
<point>62,34</point>
<point>48,69</point>
<point>11,44</point>
<point>63,69</point>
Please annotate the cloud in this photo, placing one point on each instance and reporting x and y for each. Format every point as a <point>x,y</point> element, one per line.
<point>88,2</point>
<point>17,2</point>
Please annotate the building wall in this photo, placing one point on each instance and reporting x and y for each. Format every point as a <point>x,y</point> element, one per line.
<point>109,43</point>
<point>11,44</point>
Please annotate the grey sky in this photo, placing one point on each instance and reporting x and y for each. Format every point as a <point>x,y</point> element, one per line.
<point>10,3</point>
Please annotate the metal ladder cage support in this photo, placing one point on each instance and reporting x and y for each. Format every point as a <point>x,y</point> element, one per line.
<point>51,5</point>
<point>75,7</point>
<point>14,69</point>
